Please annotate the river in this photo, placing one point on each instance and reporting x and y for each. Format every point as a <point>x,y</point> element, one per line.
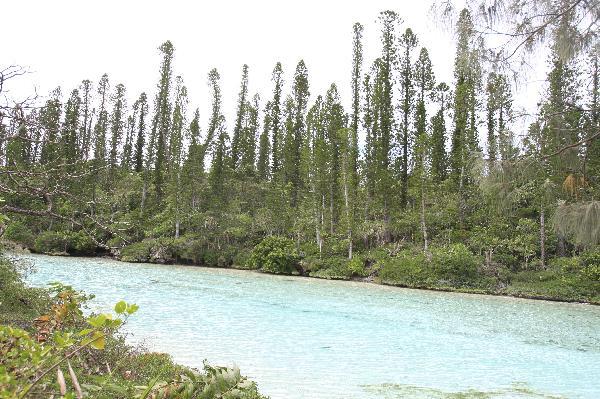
<point>318,339</point>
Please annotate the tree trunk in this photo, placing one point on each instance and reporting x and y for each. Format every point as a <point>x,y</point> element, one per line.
<point>318,221</point>
<point>386,221</point>
<point>423,225</point>
<point>332,228</point>
<point>562,250</point>
<point>367,202</point>
<point>543,238</point>
<point>350,243</point>
<point>348,220</point>
<point>93,207</point>
<point>177,202</point>
<point>461,199</point>
<point>144,194</point>
<point>488,258</point>
<point>319,242</point>
<point>322,211</point>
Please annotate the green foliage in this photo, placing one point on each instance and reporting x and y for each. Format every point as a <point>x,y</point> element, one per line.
<point>20,233</point>
<point>357,266</point>
<point>61,242</point>
<point>552,284</point>
<point>51,242</point>
<point>198,251</point>
<point>336,247</point>
<point>275,254</point>
<point>18,303</point>
<point>213,383</point>
<point>137,252</point>
<point>65,351</point>
<point>192,251</point>
<point>455,263</point>
<point>336,267</point>
<point>590,262</point>
<point>28,362</point>
<point>121,174</point>
<point>565,265</point>
<point>242,258</point>
<point>210,257</point>
<point>407,269</point>
<point>159,250</point>
<point>525,242</point>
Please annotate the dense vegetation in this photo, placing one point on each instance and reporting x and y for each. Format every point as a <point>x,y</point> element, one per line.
<point>65,352</point>
<point>420,183</point>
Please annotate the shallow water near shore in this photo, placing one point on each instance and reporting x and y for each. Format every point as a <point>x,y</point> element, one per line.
<point>308,338</point>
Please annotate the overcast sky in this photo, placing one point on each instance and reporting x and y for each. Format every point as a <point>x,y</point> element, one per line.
<point>63,42</point>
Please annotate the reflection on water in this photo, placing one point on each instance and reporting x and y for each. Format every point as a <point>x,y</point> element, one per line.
<point>307,338</point>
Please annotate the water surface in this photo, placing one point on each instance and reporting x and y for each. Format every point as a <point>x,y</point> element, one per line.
<point>308,338</point>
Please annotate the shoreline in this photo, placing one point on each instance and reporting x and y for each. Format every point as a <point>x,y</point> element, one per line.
<point>470,291</point>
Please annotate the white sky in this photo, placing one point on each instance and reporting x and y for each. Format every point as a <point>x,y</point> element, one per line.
<point>66,41</point>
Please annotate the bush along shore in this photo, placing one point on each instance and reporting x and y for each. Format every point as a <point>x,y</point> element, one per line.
<point>51,347</point>
<point>453,267</point>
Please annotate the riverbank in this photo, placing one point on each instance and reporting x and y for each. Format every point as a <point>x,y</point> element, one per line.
<point>559,284</point>
<point>44,332</point>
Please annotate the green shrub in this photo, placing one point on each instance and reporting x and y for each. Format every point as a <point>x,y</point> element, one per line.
<point>309,249</point>
<point>376,255</point>
<point>199,254</point>
<point>590,262</point>
<point>452,265</point>
<point>338,267</point>
<point>137,252</point>
<point>154,250</point>
<point>455,263</point>
<point>524,243</point>
<point>19,304</point>
<point>191,251</point>
<point>506,259</point>
<point>210,257</point>
<point>147,365</point>
<point>223,261</point>
<point>20,233</point>
<point>115,242</point>
<point>406,268</point>
<point>328,267</point>
<point>312,263</point>
<point>227,256</point>
<point>553,284</point>
<point>241,258</point>
<point>275,254</point>
<point>357,266</point>
<point>53,242</point>
<point>80,244</point>
<point>565,265</point>
<point>504,275</point>
<point>337,247</point>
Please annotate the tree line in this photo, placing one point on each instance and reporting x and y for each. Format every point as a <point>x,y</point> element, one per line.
<point>414,162</point>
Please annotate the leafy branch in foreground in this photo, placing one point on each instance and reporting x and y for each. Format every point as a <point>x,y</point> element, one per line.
<point>63,339</point>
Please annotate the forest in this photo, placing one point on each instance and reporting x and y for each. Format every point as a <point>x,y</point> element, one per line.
<point>419,183</point>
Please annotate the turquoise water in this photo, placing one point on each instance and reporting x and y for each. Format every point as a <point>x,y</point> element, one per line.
<point>307,338</point>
